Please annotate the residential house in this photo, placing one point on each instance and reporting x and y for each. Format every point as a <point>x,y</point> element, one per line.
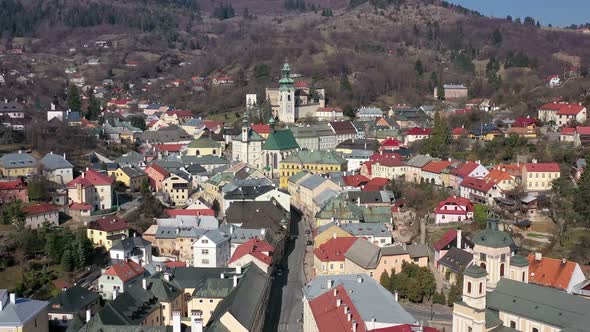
<point>156,175</point>
<point>390,144</point>
<point>414,167</point>
<point>567,134</point>
<point>581,136</point>
<point>12,114</point>
<point>555,273</point>
<point>345,130</point>
<point>452,91</point>
<point>329,113</point>
<point>316,137</point>
<point>453,209</point>
<point>433,172</point>
<point>178,189</point>
<point>314,162</point>
<point>117,278</point>
<point>57,169</point>
<point>13,190</point>
<point>486,132</point>
<point>376,233</point>
<point>22,314</point>
<point>524,127</point>
<point>553,81</point>
<point>562,114</point>
<point>75,301</point>
<point>539,176</point>
<point>466,169</point>
<point>253,190</point>
<point>338,209</point>
<point>131,176</point>
<point>363,257</point>
<point>211,249</point>
<point>329,257</point>
<point>309,192</point>
<point>479,190</point>
<point>387,166</point>
<point>369,113</point>
<point>39,214</point>
<point>351,303</point>
<point>90,191</point>
<point>253,251</point>
<point>105,230</point>
<point>453,238</point>
<point>132,248</point>
<point>17,164</point>
<point>454,263</point>
<point>204,147</point>
<point>416,134</point>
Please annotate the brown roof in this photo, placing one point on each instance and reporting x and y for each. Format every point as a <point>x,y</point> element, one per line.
<point>108,224</point>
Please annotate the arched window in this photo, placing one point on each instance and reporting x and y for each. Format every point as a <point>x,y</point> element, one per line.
<point>275,160</point>
<point>198,153</point>
<point>480,288</point>
<point>523,276</point>
<point>469,287</point>
<point>535,329</point>
<point>213,151</point>
<point>512,324</point>
<point>501,270</point>
<point>482,265</point>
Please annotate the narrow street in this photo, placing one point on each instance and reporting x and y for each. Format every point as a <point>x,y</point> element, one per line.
<point>285,308</point>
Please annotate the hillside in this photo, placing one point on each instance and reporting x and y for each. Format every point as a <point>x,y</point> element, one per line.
<point>361,55</point>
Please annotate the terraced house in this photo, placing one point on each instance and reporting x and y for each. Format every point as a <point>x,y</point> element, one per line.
<point>314,162</point>
<point>17,164</point>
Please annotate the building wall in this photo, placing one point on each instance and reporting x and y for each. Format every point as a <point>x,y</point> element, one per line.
<point>288,169</point>
<point>467,319</point>
<point>206,305</point>
<point>216,151</point>
<point>179,196</point>
<point>232,324</point>
<point>494,259</point>
<point>246,259</point>
<point>155,179</point>
<point>538,181</point>
<point>525,324</point>
<point>106,285</point>
<point>99,238</point>
<point>12,195</point>
<point>16,172</point>
<point>309,323</point>
<point>326,235</point>
<point>61,176</point>
<point>208,254</point>
<point>36,221</point>
<point>327,267</point>
<point>168,307</point>
<point>154,318</point>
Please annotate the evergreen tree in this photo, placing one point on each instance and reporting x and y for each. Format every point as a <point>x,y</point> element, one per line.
<point>440,91</point>
<point>497,37</point>
<point>385,281</point>
<point>84,251</point>
<point>419,67</point>
<point>67,261</point>
<point>52,247</point>
<point>145,186</point>
<point>93,107</point>
<point>582,196</point>
<point>345,86</point>
<point>439,140</point>
<point>74,101</point>
<point>12,214</point>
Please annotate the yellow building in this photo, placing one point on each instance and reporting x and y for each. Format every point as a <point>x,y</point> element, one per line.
<point>132,177</point>
<point>204,147</point>
<point>103,231</point>
<point>178,189</point>
<point>328,258</point>
<point>17,164</point>
<point>539,176</point>
<point>314,162</point>
<point>328,233</point>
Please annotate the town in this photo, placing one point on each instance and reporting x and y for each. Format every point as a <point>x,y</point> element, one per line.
<point>127,207</point>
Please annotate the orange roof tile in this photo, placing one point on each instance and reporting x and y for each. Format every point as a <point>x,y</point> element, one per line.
<point>550,272</point>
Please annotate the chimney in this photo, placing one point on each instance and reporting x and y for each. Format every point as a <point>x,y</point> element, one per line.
<point>334,235</point>
<point>538,256</point>
<point>238,270</point>
<point>159,268</point>
<point>346,311</point>
<point>196,321</point>
<point>144,284</point>
<point>358,201</point>
<point>235,280</point>
<point>563,260</point>
<point>167,276</point>
<point>88,315</point>
<point>13,298</point>
<point>176,321</point>
<point>330,283</point>
<point>335,291</point>
<point>115,294</point>
<point>396,296</point>
<point>222,275</point>
<point>349,316</point>
<point>359,279</point>
<point>459,238</point>
<point>338,302</point>
<point>354,326</point>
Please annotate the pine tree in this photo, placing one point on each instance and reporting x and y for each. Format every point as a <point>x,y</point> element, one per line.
<point>385,281</point>
<point>497,37</point>
<point>74,101</point>
<point>582,196</point>
<point>440,91</point>
<point>67,261</point>
<point>419,67</point>
<point>438,143</point>
<point>93,107</point>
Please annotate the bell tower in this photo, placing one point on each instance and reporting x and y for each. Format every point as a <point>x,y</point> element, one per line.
<point>286,95</point>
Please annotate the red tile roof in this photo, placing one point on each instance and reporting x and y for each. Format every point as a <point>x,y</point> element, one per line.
<point>330,109</point>
<point>568,131</point>
<point>447,238</point>
<point>391,142</point>
<point>261,128</point>
<point>389,162</point>
<point>91,178</point>
<point>524,122</point>
<point>329,317</point>
<point>180,113</point>
<point>436,166</point>
<point>300,84</point>
<point>125,270</point>
<point>355,180</point>
<point>542,167</point>
<point>169,147</point>
<point>159,169</point>
<point>80,207</point>
<point>463,206</point>
<point>406,328</point>
<point>189,212</point>
<point>483,185</point>
<point>109,224</point>
<point>419,131</point>
<point>39,208</point>
<point>175,264</point>
<point>210,124</point>
<point>343,127</point>
<point>382,155</point>
<point>563,108</point>
<point>583,130</point>
<point>550,272</point>
<point>334,249</point>
<point>256,248</point>
<point>459,131</point>
<point>464,169</point>
<point>376,184</point>
<point>512,169</point>
<point>12,185</point>
<point>498,176</point>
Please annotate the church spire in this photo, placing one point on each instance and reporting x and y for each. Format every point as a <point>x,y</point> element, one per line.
<point>286,82</point>
<point>245,128</point>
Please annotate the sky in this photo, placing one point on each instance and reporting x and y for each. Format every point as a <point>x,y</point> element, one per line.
<point>555,12</point>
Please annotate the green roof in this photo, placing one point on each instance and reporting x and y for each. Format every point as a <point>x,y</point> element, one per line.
<point>543,304</point>
<point>519,261</point>
<point>215,288</point>
<point>298,176</point>
<point>203,143</point>
<point>376,214</point>
<point>252,136</point>
<point>280,140</point>
<point>315,157</point>
<point>475,271</point>
<point>340,209</point>
<point>492,237</point>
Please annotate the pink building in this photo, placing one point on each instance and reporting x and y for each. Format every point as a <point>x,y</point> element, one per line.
<point>13,190</point>
<point>453,209</point>
<point>156,174</point>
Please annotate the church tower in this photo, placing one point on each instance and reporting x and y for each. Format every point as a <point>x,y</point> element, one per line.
<point>469,315</point>
<point>245,128</point>
<point>286,96</point>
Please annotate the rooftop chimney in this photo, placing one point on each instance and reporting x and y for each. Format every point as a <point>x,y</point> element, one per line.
<point>538,256</point>
<point>115,293</point>
<point>563,260</point>
<point>459,238</point>
<point>349,316</point>
<point>330,283</point>
<point>144,284</point>
<point>238,270</point>
<point>167,276</point>
<point>222,275</point>
<point>354,326</point>
<point>13,298</point>
<point>88,315</point>
<point>338,302</point>
<point>235,280</point>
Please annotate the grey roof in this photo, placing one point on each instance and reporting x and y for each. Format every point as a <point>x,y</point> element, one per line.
<point>419,160</point>
<point>370,299</point>
<point>312,181</point>
<point>133,171</point>
<point>165,291</point>
<point>247,192</point>
<point>324,196</point>
<point>456,260</point>
<point>129,243</point>
<point>414,250</point>
<point>216,236</point>
<point>364,254</point>
<point>370,111</point>
<point>256,215</point>
<point>246,299</point>
<point>19,313</point>
<point>131,157</point>
<point>543,304</point>
<point>368,197</point>
<point>195,277</point>
<point>364,229</point>
<point>53,161</point>
<point>165,135</point>
<point>204,160</point>
<point>242,235</point>
<point>72,300</point>
<point>475,271</point>
<point>18,160</point>
<point>215,288</point>
<point>312,131</point>
<point>10,106</point>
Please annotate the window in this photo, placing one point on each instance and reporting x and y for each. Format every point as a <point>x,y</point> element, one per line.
<point>480,288</point>
<point>469,287</point>
<point>512,324</point>
<point>204,241</point>
<point>205,261</point>
<point>205,251</point>
<point>502,270</point>
<point>535,329</point>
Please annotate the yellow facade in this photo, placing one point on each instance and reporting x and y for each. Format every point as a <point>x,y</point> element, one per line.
<point>326,235</point>
<point>133,184</point>
<point>15,172</point>
<point>206,305</point>
<point>288,169</point>
<point>100,238</point>
<point>168,307</point>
